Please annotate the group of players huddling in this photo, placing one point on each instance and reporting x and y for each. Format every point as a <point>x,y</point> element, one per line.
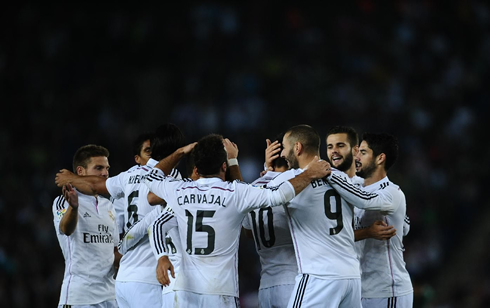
<point>329,233</point>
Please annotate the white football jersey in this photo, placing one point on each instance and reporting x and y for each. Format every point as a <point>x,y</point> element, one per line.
<point>209,214</point>
<point>88,251</point>
<point>139,231</point>
<point>321,227</point>
<point>137,265</point>
<point>273,241</point>
<point>382,264</point>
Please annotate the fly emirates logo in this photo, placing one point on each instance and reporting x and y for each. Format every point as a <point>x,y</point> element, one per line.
<point>102,237</point>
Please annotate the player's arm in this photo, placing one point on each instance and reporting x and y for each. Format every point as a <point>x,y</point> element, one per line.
<point>89,185</point>
<point>233,168</point>
<point>379,230</point>
<point>69,220</point>
<point>406,225</point>
<point>137,231</point>
<point>157,231</point>
<point>169,162</point>
<point>255,197</point>
<point>381,200</point>
<point>155,200</point>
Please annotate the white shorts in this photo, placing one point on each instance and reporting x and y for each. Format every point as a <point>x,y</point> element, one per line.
<point>276,296</point>
<point>130,294</point>
<point>310,291</point>
<point>405,301</point>
<point>194,300</point>
<point>107,304</point>
<point>168,300</point>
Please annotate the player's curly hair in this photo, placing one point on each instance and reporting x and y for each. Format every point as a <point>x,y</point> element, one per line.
<point>85,153</point>
<point>209,154</point>
<point>383,143</point>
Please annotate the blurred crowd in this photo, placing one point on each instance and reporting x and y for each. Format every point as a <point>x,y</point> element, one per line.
<point>99,73</point>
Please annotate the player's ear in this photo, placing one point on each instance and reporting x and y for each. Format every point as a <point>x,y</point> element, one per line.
<point>381,159</point>
<point>80,170</point>
<point>355,150</point>
<point>137,159</point>
<point>223,167</point>
<point>298,147</point>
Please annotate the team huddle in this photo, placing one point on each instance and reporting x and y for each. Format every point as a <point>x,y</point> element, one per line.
<point>329,233</point>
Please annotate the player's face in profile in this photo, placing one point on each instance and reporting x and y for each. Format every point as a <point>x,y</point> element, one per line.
<point>145,154</point>
<point>339,151</point>
<point>288,154</point>
<point>98,166</point>
<point>366,161</point>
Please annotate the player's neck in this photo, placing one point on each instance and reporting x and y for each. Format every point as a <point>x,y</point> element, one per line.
<point>220,175</point>
<point>351,172</point>
<point>377,175</point>
<point>305,159</point>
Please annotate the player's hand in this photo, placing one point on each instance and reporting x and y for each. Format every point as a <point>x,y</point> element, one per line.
<point>63,177</point>
<point>188,148</point>
<point>381,231</point>
<point>70,195</point>
<point>231,148</point>
<point>318,168</point>
<point>164,265</point>
<point>272,151</point>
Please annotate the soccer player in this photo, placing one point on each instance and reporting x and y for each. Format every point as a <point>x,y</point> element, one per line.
<point>142,153</point>
<point>321,228</point>
<point>342,148</point>
<point>209,213</point>
<point>385,280</point>
<point>136,284</point>
<point>269,228</point>
<point>87,233</point>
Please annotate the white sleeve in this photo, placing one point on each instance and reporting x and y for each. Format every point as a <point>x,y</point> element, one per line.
<point>157,232</point>
<point>161,185</point>
<point>59,209</point>
<point>246,223</point>
<point>250,197</point>
<point>137,231</point>
<point>115,185</point>
<point>119,208</point>
<point>406,225</point>
<point>381,200</point>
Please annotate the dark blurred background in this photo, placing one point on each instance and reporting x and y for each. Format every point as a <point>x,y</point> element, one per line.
<point>81,73</point>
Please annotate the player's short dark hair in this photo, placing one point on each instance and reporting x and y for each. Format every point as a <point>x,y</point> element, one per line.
<point>279,162</point>
<point>85,153</point>
<point>307,136</point>
<point>209,154</point>
<point>166,140</point>
<point>352,135</point>
<point>138,142</point>
<point>190,164</point>
<point>383,143</point>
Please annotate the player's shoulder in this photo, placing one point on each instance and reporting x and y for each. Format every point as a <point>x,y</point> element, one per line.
<point>59,202</point>
<point>284,176</point>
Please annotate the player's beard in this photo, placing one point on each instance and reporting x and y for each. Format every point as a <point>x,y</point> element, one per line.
<point>366,170</point>
<point>292,161</point>
<point>346,164</point>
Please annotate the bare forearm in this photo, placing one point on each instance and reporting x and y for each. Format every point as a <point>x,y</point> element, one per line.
<point>234,173</point>
<point>361,234</point>
<point>90,185</point>
<point>169,162</point>
<point>69,221</point>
